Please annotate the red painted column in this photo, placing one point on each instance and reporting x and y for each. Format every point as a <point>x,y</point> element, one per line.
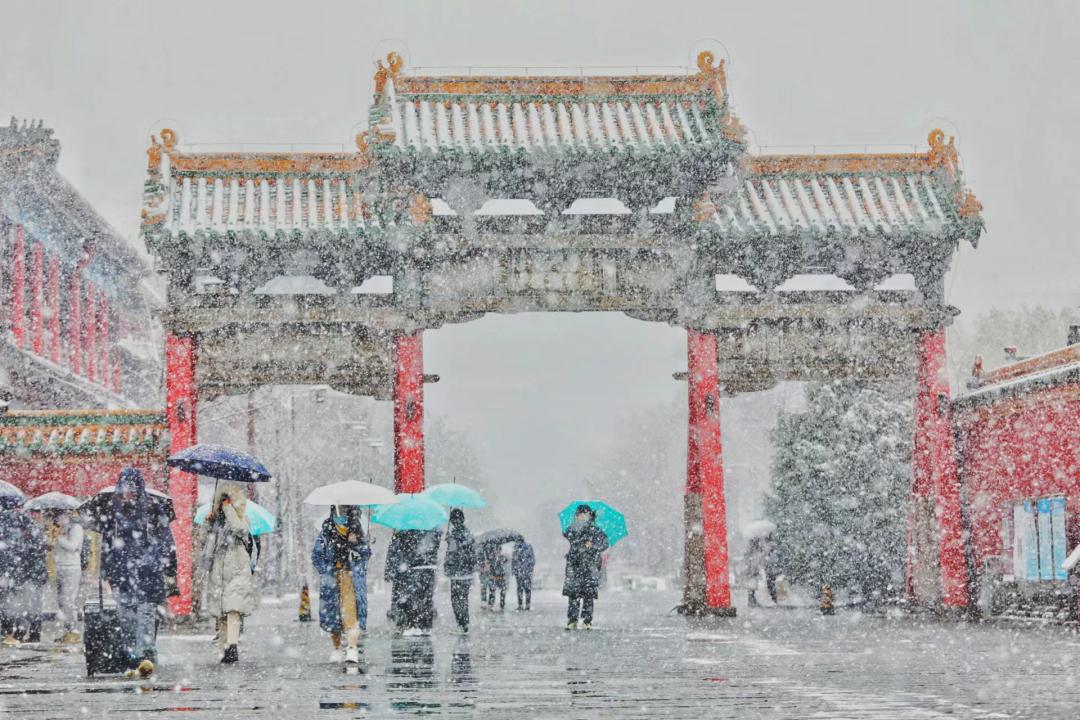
<point>934,465</point>
<point>181,400</point>
<point>75,326</point>
<point>53,307</point>
<point>18,289</point>
<point>409,412</point>
<point>705,464</point>
<point>104,343</point>
<point>90,332</point>
<point>37,291</point>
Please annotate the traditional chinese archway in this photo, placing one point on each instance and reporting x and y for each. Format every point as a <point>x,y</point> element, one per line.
<point>510,194</point>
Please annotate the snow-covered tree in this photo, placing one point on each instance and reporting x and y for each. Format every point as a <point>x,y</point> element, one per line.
<point>841,476</point>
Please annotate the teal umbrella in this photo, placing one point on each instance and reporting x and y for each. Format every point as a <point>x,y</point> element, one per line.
<point>261,519</point>
<point>608,519</point>
<point>411,512</point>
<point>454,495</point>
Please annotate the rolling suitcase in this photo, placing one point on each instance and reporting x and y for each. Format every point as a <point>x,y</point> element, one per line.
<point>106,643</point>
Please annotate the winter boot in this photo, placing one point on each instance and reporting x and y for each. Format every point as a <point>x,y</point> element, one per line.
<point>352,656</point>
<point>572,625</point>
<point>143,670</point>
<point>232,655</point>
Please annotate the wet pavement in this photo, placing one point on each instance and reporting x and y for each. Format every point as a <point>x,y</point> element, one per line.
<point>638,662</point>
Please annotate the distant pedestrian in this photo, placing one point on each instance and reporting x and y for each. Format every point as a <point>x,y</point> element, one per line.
<point>23,571</point>
<point>67,546</point>
<point>582,583</point>
<point>459,566</point>
<point>489,553</point>
<point>761,556</point>
<point>230,583</point>
<point>522,564</point>
<point>500,572</point>
<point>340,556</point>
<point>139,563</point>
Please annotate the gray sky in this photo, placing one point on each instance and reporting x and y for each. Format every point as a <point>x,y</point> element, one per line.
<point>1000,75</point>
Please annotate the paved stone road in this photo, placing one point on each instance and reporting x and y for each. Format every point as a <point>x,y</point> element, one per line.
<point>639,662</point>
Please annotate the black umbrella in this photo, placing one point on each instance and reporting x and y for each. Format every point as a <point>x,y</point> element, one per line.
<point>94,511</point>
<point>218,461</point>
<point>501,536</point>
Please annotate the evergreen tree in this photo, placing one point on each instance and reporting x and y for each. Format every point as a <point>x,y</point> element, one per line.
<point>841,477</point>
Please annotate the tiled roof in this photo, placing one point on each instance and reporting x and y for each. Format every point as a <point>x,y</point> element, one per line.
<point>535,114</point>
<point>87,432</point>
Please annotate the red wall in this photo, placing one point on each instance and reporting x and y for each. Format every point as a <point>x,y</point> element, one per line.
<point>79,478</point>
<point>1016,448</point>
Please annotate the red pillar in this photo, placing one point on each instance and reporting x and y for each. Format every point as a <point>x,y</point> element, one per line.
<point>75,327</point>
<point>90,333</point>
<point>104,343</point>
<point>934,465</point>
<point>53,302</point>
<point>37,291</point>
<point>705,469</point>
<point>181,400</point>
<point>409,412</point>
<point>18,289</point>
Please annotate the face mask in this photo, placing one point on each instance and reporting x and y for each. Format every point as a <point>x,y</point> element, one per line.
<point>341,519</point>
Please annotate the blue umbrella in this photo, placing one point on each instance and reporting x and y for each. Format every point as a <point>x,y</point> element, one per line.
<point>608,519</point>
<point>218,461</point>
<point>262,520</point>
<point>454,495</point>
<point>411,512</point>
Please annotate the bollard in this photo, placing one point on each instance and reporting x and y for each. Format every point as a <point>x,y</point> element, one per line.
<point>305,604</point>
<point>827,607</point>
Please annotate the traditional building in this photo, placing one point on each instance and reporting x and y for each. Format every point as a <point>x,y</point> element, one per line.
<point>1018,449</point>
<point>76,325</point>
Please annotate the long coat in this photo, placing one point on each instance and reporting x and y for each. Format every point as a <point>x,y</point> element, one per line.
<point>138,551</point>
<point>323,558</point>
<point>583,560</point>
<point>230,583</point>
<point>460,562</point>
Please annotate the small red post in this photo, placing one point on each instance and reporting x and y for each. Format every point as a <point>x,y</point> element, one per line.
<point>934,465</point>
<point>705,464</point>
<point>53,303</point>
<point>181,400</point>
<point>18,289</point>
<point>75,326</point>
<point>37,291</point>
<point>409,412</point>
<point>90,333</point>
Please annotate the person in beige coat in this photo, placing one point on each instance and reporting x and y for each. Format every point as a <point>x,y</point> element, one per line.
<point>230,582</point>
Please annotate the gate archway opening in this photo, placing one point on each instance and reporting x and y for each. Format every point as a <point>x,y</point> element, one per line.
<point>469,195</point>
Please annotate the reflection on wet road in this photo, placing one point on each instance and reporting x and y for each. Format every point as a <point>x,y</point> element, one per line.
<point>639,662</point>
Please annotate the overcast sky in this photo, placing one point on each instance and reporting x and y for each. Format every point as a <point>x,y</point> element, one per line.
<point>1001,75</point>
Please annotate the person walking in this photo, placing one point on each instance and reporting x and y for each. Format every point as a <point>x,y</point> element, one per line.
<point>67,547</point>
<point>24,571</point>
<point>582,583</point>
<point>340,556</point>
<point>488,557</point>
<point>139,563</point>
<point>420,582</point>
<point>459,566</point>
<point>398,553</point>
<point>230,580</point>
<point>500,571</point>
<point>522,564</point>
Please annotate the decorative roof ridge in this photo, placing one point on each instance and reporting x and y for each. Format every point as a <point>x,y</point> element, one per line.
<point>710,78</point>
<point>1053,360</point>
<point>55,418</point>
<point>271,163</point>
<point>939,156</point>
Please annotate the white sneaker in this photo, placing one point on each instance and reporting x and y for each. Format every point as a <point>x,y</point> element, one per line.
<point>336,656</point>
<point>352,656</point>
<point>413,632</point>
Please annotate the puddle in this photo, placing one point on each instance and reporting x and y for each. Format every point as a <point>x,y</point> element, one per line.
<point>344,706</point>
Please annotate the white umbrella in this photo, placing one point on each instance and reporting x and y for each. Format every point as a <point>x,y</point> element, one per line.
<point>350,492</point>
<point>53,501</point>
<point>759,528</point>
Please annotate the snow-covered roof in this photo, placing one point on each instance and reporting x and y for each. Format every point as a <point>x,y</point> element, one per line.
<point>536,114</point>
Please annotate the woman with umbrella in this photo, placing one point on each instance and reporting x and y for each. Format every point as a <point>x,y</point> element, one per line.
<point>582,582</point>
<point>67,546</point>
<point>340,556</point>
<point>138,561</point>
<point>230,593</point>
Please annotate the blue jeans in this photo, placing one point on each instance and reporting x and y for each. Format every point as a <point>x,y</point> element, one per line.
<point>141,618</point>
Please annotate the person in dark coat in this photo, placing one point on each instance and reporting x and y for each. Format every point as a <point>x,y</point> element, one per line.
<point>139,563</point>
<point>23,572</point>
<point>459,566</point>
<point>582,582</point>
<point>500,571</point>
<point>489,553</point>
<point>340,556</point>
<point>522,564</point>
<point>411,562</point>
